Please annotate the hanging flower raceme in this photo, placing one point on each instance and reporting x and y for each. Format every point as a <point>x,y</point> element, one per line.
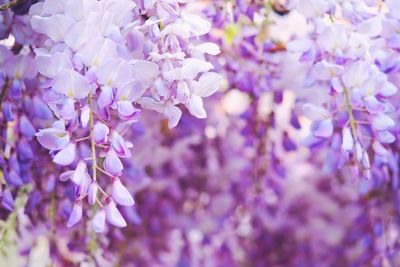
<point>100,61</point>
<point>348,82</point>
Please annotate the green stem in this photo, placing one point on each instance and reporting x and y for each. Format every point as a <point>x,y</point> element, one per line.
<point>92,143</point>
<point>92,245</point>
<point>352,121</point>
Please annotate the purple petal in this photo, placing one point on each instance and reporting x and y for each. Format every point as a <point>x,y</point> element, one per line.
<point>208,84</point>
<point>100,133</point>
<point>66,156</point>
<point>53,138</point>
<point>65,176</point>
<point>120,194</point>
<point>85,116</point>
<point>322,128</point>
<point>120,145</point>
<point>112,163</point>
<point>347,142</point>
<point>113,215</point>
<point>381,122</point>
<point>25,152</point>
<point>126,110</point>
<point>76,214</point>
<point>373,105</point>
<point>12,178</point>
<point>173,114</point>
<point>26,127</point>
<point>7,200</point>
<point>379,149</point>
<point>79,173</point>
<point>98,221</point>
<point>72,84</point>
<point>386,137</point>
<point>92,193</point>
<point>7,111</point>
<point>106,97</point>
<point>388,89</point>
<point>196,107</point>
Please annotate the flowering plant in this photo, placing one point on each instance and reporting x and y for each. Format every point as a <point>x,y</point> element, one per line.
<point>199,133</point>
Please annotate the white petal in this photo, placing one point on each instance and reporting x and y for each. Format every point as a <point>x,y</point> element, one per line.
<point>196,107</point>
<point>66,156</point>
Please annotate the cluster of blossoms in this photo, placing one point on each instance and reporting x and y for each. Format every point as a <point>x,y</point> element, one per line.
<point>100,62</point>
<point>297,153</point>
<point>350,55</point>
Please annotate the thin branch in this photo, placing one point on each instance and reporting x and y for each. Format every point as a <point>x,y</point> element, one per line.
<point>11,4</point>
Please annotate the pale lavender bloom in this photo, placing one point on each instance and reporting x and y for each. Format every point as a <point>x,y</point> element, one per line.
<point>381,122</point>
<point>50,64</point>
<point>20,67</point>
<point>79,173</point>
<point>54,138</point>
<point>46,26</point>
<point>71,84</point>
<point>100,133</point>
<point>65,156</point>
<point>92,192</point>
<point>126,110</point>
<point>76,214</point>
<point>120,194</point>
<point>97,51</point>
<point>323,128</point>
<point>99,220</point>
<point>121,146</point>
<point>85,116</point>
<point>106,97</point>
<point>115,73</point>
<point>386,137</point>
<point>67,175</point>
<point>113,215</point>
<point>347,139</point>
<point>112,163</point>
<point>172,112</point>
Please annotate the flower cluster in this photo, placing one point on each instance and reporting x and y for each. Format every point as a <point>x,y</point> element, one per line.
<point>99,63</point>
<point>302,106</point>
<point>349,58</point>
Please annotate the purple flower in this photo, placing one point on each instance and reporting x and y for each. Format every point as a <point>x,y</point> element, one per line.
<point>98,221</point>
<point>92,193</point>
<point>100,133</point>
<point>120,194</point>
<point>54,138</point>
<point>76,214</point>
<point>7,200</point>
<point>79,173</point>
<point>65,156</point>
<point>112,163</point>
<point>113,215</point>
<point>26,127</point>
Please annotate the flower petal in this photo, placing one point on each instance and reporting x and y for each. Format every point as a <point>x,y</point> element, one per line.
<point>113,215</point>
<point>76,214</point>
<point>120,194</point>
<point>65,156</point>
<point>98,221</point>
